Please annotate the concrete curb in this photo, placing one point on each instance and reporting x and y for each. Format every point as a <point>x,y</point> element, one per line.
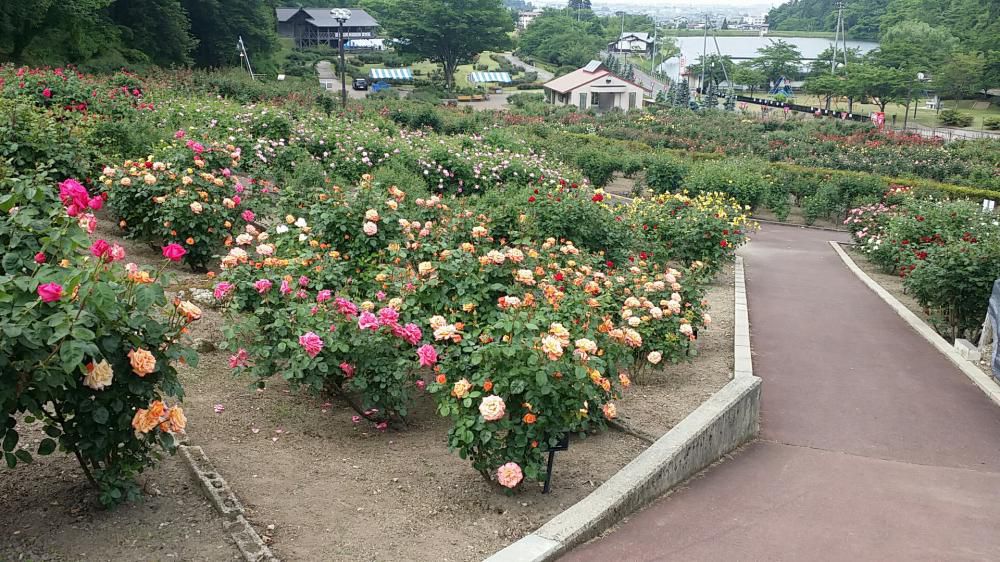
<point>985,383</point>
<point>729,418</point>
<point>217,491</point>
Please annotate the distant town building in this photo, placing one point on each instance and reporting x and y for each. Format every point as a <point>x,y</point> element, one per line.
<point>755,21</point>
<point>312,27</point>
<point>524,19</point>
<point>632,42</point>
<point>596,88</point>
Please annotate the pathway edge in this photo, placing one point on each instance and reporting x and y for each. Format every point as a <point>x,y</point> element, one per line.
<point>985,383</point>
<point>729,418</point>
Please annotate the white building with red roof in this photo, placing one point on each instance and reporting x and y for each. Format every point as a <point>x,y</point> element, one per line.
<point>596,88</point>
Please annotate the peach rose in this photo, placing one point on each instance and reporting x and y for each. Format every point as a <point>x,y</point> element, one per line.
<point>492,407</point>
<point>189,310</point>
<point>99,375</point>
<point>461,389</point>
<point>177,419</point>
<point>143,362</point>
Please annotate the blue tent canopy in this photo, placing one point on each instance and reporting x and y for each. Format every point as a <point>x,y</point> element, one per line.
<point>391,74</point>
<point>500,77</point>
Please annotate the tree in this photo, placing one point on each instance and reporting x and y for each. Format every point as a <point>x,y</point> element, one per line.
<point>961,76</point>
<point>827,86</point>
<point>72,30</point>
<point>822,63</point>
<point>715,71</point>
<point>778,59</point>
<point>449,31</point>
<point>915,46</point>
<point>881,84</point>
<point>144,24</point>
<point>557,37</point>
<point>579,5</point>
<point>218,25</point>
<point>725,23</point>
<point>747,74</point>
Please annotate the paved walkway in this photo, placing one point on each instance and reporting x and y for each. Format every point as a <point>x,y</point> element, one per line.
<point>543,75</point>
<point>873,446</point>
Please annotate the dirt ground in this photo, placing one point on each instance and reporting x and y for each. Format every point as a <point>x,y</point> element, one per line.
<point>332,489</point>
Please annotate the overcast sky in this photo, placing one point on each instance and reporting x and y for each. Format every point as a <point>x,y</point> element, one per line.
<point>737,3</point>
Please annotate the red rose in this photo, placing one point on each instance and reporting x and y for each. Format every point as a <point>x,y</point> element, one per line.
<point>531,199</point>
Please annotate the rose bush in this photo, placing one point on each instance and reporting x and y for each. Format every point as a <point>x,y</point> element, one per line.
<point>89,345</point>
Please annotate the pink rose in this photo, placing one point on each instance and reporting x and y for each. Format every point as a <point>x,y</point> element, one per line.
<point>47,93</point>
<point>263,285</point>
<point>179,134</point>
<point>40,258</point>
<point>346,307</point>
<point>248,215</point>
<point>117,253</point>
<point>428,355</point>
<point>509,475</point>
<point>412,333</point>
<point>72,193</point>
<point>380,296</point>
<point>50,292</point>
<point>347,368</point>
<point>95,203</point>
<point>370,228</point>
<point>100,249</point>
<point>421,384</point>
<point>324,295</point>
<point>88,222</point>
<point>312,343</point>
<point>368,321</point>
<point>303,281</point>
<point>174,251</point>
<point>284,288</point>
<point>238,360</point>
<point>222,289</point>
<point>388,316</point>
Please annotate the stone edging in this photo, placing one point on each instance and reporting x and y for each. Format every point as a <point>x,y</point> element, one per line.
<point>729,418</point>
<point>985,383</point>
<point>216,489</point>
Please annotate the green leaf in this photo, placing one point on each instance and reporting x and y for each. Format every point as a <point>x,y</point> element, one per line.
<point>10,440</point>
<point>46,447</point>
<point>82,333</point>
<point>23,456</point>
<point>100,415</point>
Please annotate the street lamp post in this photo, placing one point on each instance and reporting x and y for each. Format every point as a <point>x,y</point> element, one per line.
<point>342,15</point>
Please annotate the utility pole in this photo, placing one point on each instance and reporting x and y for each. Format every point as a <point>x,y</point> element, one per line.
<point>704,57</point>
<point>839,35</point>
<point>342,15</point>
<point>245,57</point>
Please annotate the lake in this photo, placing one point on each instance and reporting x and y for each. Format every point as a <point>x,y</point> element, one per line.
<point>810,47</point>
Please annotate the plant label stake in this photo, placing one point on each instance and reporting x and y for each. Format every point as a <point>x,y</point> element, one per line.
<point>562,445</point>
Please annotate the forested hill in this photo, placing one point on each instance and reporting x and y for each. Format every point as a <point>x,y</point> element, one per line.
<point>975,23</point>
<point>862,16</point>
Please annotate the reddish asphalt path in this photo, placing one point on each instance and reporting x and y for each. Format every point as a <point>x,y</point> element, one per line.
<point>873,446</point>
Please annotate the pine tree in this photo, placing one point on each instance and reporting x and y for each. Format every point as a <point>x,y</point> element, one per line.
<point>683,93</point>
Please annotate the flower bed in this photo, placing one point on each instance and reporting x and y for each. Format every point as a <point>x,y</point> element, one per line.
<point>946,252</point>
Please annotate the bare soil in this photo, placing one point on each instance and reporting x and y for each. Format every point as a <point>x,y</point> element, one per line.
<point>319,487</point>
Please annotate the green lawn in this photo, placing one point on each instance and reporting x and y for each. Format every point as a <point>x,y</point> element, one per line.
<point>926,117</point>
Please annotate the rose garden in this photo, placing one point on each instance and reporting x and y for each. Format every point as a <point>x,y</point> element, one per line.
<point>379,322</point>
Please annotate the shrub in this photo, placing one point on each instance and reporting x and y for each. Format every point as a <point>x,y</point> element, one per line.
<point>665,174</point>
<point>954,118</point>
<point>166,201</point>
<point>992,123</point>
<point>88,346</point>
<point>741,178</point>
<point>597,165</point>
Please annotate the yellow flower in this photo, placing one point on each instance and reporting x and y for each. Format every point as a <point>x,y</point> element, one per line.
<point>461,389</point>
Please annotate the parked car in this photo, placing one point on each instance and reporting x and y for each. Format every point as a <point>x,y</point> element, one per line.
<point>360,84</point>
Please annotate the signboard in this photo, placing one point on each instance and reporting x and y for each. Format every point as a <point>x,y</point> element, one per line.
<point>995,319</point>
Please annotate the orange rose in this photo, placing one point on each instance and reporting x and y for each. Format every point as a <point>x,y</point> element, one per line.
<point>142,361</point>
<point>177,419</point>
<point>530,418</point>
<point>142,422</point>
<point>488,386</point>
<point>441,379</point>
